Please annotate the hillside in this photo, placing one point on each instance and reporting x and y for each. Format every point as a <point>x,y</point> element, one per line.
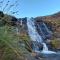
<point>53,23</point>
<point>15,43</point>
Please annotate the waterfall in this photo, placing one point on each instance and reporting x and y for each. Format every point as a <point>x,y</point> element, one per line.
<point>32,31</point>
<point>36,37</point>
<point>45,48</point>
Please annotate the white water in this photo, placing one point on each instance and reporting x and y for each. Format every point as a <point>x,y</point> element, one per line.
<point>46,51</point>
<point>32,31</point>
<point>45,48</point>
<point>36,37</point>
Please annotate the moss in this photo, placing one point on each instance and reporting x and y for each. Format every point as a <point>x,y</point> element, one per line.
<point>55,43</point>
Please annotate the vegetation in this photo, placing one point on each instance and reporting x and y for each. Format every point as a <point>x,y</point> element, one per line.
<point>55,44</point>
<point>13,46</point>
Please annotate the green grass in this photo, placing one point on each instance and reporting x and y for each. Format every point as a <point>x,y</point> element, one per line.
<point>9,43</point>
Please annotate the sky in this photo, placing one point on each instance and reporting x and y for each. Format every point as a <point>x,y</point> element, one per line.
<point>33,8</point>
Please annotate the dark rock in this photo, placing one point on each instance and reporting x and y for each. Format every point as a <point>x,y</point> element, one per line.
<point>13,21</point>
<point>35,44</point>
<point>1,14</point>
<point>52,22</point>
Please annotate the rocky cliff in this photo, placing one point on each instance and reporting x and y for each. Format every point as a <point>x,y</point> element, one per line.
<point>53,24</point>
<point>52,21</point>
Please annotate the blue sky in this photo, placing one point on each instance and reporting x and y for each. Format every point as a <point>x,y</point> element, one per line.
<point>34,8</point>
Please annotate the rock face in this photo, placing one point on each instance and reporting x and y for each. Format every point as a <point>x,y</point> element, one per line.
<point>22,26</point>
<point>43,29</point>
<point>1,14</point>
<point>53,23</point>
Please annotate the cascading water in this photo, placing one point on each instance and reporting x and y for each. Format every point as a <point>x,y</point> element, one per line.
<point>36,37</point>
<point>45,48</point>
<point>46,51</point>
<point>32,31</point>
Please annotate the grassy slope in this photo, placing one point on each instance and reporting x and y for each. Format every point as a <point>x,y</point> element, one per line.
<point>12,46</point>
<point>11,40</point>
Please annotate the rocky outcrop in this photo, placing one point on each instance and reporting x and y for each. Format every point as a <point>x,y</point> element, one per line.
<point>53,23</point>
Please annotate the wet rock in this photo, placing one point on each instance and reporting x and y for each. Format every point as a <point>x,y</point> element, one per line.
<point>52,22</point>
<point>36,45</point>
